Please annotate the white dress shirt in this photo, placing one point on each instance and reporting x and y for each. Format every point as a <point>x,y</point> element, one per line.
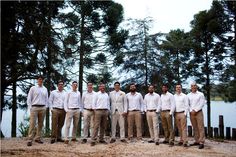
<point>196,101</point>
<point>152,101</point>
<point>135,101</point>
<point>181,103</point>
<point>72,100</point>
<point>37,96</point>
<point>88,99</point>
<point>56,99</point>
<point>101,101</point>
<point>168,102</point>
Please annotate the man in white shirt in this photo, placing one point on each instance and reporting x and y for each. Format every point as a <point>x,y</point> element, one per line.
<point>167,110</point>
<point>56,104</point>
<point>118,111</point>
<point>37,102</point>
<point>135,108</point>
<point>152,101</point>
<point>88,113</point>
<point>181,110</point>
<point>197,102</point>
<point>101,107</point>
<point>72,106</point>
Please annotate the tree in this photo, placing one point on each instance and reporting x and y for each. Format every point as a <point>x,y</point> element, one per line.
<point>208,32</point>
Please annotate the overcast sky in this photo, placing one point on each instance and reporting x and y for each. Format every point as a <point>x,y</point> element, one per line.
<point>167,14</point>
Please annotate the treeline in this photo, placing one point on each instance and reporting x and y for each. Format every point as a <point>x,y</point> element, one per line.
<point>85,41</point>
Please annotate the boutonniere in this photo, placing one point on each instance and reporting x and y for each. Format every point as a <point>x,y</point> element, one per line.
<point>121,94</point>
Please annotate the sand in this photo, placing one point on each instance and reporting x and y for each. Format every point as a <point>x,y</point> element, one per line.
<point>17,147</point>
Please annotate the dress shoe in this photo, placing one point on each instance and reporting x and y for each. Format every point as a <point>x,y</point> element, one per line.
<point>84,141</point>
<point>112,140</point>
<point>180,143</point>
<point>194,144</point>
<point>123,140</point>
<point>102,141</point>
<point>92,144</point>
<point>150,141</point>
<point>73,139</point>
<point>29,143</point>
<point>156,143</point>
<point>171,144</point>
<point>165,142</point>
<point>185,145</point>
<point>60,140</point>
<point>39,141</point>
<point>66,142</point>
<point>201,146</point>
<point>53,141</point>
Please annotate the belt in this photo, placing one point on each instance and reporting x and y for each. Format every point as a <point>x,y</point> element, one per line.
<point>73,108</point>
<point>199,111</point>
<point>89,109</point>
<point>55,108</point>
<point>151,110</point>
<point>134,110</point>
<point>102,109</point>
<point>38,105</point>
<point>165,111</point>
<point>180,112</point>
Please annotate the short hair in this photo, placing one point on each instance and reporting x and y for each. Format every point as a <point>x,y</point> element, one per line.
<point>74,82</point>
<point>117,83</point>
<point>101,83</point>
<point>60,81</point>
<point>40,76</point>
<point>165,84</point>
<point>89,83</point>
<point>151,85</point>
<point>178,84</point>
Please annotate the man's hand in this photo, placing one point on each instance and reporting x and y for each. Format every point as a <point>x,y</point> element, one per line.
<point>124,114</point>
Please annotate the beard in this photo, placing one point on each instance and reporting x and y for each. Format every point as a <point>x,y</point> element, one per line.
<point>132,90</point>
<point>150,92</point>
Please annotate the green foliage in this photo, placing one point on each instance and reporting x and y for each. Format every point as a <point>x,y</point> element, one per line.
<point>24,127</point>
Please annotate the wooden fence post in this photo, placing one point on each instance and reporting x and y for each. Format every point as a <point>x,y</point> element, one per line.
<point>216,132</point>
<point>228,133</point>
<point>221,126</point>
<point>210,132</point>
<point>190,131</point>
<point>234,134</point>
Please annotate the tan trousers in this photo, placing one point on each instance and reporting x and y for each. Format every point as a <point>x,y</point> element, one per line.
<point>36,113</point>
<point>198,127</point>
<point>181,122</point>
<point>152,120</point>
<point>100,120</point>
<point>116,117</point>
<point>58,119</point>
<point>167,124</point>
<point>134,117</point>
<point>88,122</point>
<point>75,115</point>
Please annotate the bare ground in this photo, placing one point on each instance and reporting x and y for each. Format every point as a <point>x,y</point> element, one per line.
<point>17,147</point>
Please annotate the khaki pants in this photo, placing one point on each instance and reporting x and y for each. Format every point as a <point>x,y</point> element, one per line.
<point>198,127</point>
<point>58,119</point>
<point>88,122</point>
<point>100,120</point>
<point>134,117</point>
<point>36,113</point>
<point>152,120</point>
<point>75,115</point>
<point>181,122</point>
<point>167,124</point>
<point>116,117</point>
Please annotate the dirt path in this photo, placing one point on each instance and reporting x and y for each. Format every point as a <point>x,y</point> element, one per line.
<point>17,147</point>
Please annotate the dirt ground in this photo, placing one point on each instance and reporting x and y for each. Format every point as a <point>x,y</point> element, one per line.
<point>17,147</point>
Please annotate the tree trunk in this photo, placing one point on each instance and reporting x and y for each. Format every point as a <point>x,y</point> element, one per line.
<point>145,56</point>
<point>208,91</point>
<point>14,107</point>
<point>2,106</point>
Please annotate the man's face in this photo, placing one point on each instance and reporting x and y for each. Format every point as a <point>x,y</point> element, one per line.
<point>164,89</point>
<point>150,89</point>
<point>132,88</point>
<point>60,86</point>
<point>102,88</point>
<point>40,81</point>
<point>178,88</point>
<point>90,86</point>
<point>74,86</point>
<point>193,88</point>
<point>117,87</point>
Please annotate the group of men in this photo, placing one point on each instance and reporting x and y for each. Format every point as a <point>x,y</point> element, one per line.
<point>95,107</point>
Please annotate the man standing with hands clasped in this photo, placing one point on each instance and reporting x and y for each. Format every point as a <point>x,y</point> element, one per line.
<point>182,108</point>
<point>152,102</point>
<point>37,102</point>
<point>72,106</point>
<point>167,110</point>
<point>118,111</point>
<point>197,102</point>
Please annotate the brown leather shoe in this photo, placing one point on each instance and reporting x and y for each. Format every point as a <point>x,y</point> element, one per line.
<point>112,140</point>
<point>39,141</point>
<point>201,146</point>
<point>84,141</point>
<point>92,144</point>
<point>29,143</point>
<point>66,142</point>
<point>194,144</point>
<point>73,139</point>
